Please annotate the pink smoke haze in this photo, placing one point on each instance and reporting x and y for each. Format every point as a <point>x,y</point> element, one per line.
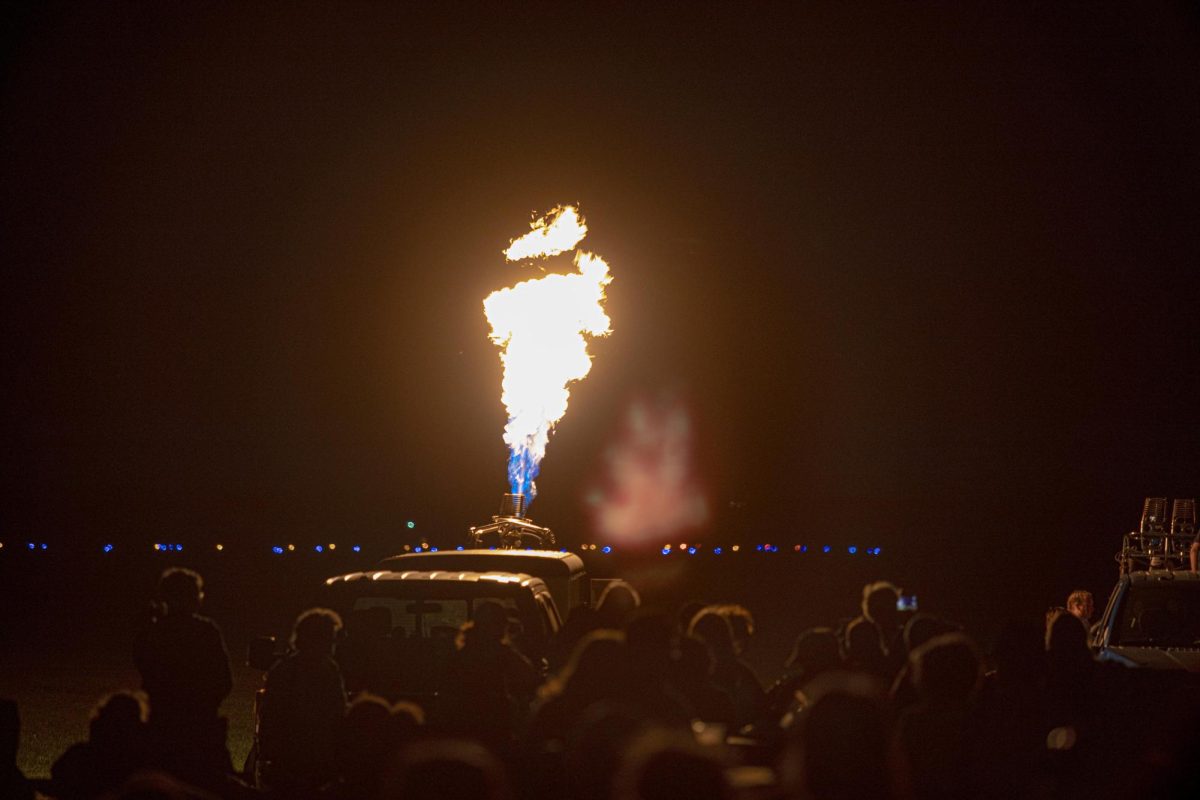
<point>650,495</point>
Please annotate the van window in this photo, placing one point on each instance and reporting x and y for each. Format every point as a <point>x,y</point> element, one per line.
<point>413,616</point>
<point>1164,615</point>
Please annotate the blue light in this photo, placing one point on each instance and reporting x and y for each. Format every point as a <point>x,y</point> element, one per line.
<point>357,548</point>
<point>493,547</point>
<point>433,549</point>
<point>319,549</point>
<point>878,551</point>
<point>108,548</point>
<point>759,548</point>
<point>179,547</point>
<point>32,546</point>
<point>417,549</point>
<point>606,549</point>
<point>460,547</point>
<point>826,549</point>
<point>277,550</point>
<point>717,551</point>
<point>666,551</point>
<point>803,548</point>
<point>691,551</point>
<point>43,545</point>
<point>853,549</point>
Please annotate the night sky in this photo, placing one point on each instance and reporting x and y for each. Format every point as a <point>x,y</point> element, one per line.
<point>927,271</point>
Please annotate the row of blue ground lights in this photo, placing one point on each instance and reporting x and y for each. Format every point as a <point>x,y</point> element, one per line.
<point>772,548</point>
<point>606,549</point>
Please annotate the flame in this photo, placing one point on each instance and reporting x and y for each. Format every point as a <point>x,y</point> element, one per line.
<point>557,232</point>
<point>541,327</point>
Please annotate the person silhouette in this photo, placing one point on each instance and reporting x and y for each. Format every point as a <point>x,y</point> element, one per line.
<point>185,673</point>
<point>116,748</point>
<point>304,703</point>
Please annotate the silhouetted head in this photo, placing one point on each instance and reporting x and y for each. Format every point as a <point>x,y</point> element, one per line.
<point>923,627</point>
<point>843,742</point>
<point>665,766</point>
<point>694,661</point>
<point>741,625</point>
<point>816,650</point>
<point>712,627</point>
<point>947,669</point>
<point>119,719</point>
<point>879,603</point>
<point>316,631</point>
<point>595,746</point>
<point>371,731</point>
<point>489,626</point>
<point>1066,643</point>
<point>181,590</point>
<point>441,769</point>
<point>863,648</point>
<point>617,602</point>
<point>1081,604</point>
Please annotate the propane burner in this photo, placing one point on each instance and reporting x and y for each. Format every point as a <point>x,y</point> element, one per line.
<point>512,505</point>
<point>512,531</point>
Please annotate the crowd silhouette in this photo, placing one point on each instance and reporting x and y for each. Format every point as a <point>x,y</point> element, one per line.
<point>637,703</point>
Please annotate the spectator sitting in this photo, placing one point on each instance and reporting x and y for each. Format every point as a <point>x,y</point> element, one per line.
<point>841,747</point>
<point>919,629</point>
<point>371,732</point>
<point>597,671</point>
<point>741,624</point>
<point>617,602</point>
<point>815,653</point>
<point>649,648</point>
<point>488,684</point>
<point>1069,672</point>
<point>879,609</point>
<point>729,672</point>
<point>691,676</point>
<point>115,749</point>
<point>663,766</point>
<point>304,703</point>
<point>595,747</point>
<point>441,769</point>
<point>936,736</point>
<point>864,651</point>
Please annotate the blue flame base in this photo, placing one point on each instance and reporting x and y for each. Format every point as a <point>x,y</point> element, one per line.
<point>522,470</point>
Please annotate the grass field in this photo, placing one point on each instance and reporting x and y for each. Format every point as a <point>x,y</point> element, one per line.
<point>56,693</point>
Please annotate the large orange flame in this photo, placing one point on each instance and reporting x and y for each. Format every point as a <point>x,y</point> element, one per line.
<point>541,327</point>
